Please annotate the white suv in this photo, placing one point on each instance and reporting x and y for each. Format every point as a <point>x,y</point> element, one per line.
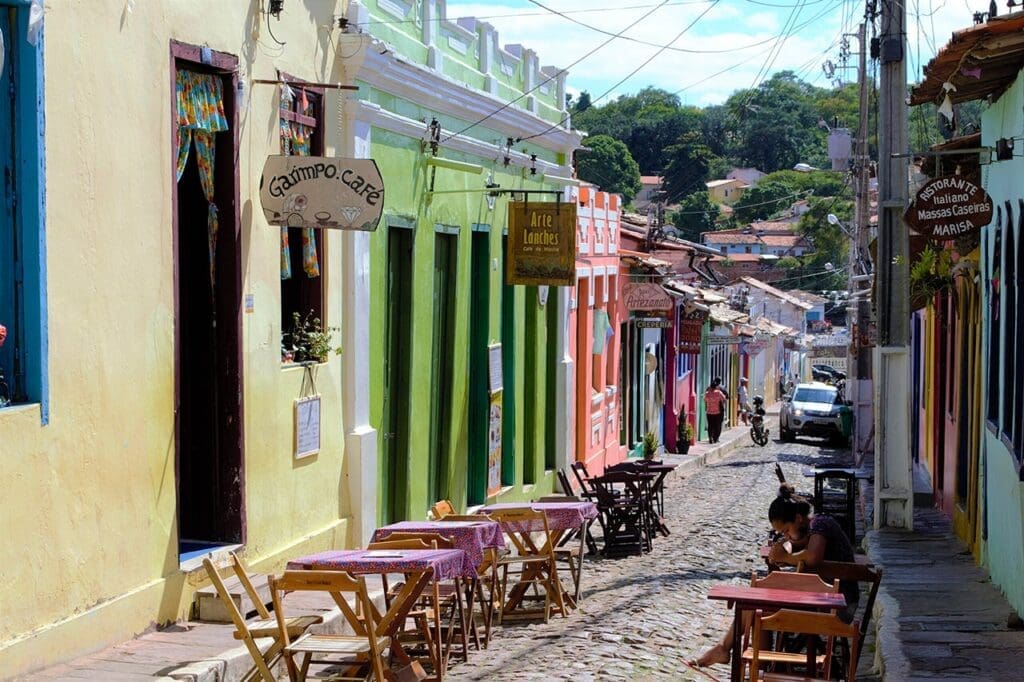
<point>813,409</point>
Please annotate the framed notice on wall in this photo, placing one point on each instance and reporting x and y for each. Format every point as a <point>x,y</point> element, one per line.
<point>494,368</point>
<point>307,427</point>
<point>494,445</point>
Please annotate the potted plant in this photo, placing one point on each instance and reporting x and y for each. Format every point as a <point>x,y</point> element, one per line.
<point>310,340</point>
<point>650,445</point>
<point>684,436</point>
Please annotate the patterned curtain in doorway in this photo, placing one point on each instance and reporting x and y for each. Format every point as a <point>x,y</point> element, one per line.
<point>200,117</point>
<point>297,139</point>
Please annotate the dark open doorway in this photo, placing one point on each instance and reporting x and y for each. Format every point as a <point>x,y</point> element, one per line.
<point>394,504</point>
<point>208,328</point>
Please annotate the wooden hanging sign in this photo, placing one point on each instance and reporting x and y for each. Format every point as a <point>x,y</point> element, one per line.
<point>541,243</point>
<point>948,208</point>
<point>322,192</point>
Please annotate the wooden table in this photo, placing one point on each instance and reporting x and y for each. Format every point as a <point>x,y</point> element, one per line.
<point>475,538</point>
<point>561,518</point>
<point>745,598</point>
<point>420,568</point>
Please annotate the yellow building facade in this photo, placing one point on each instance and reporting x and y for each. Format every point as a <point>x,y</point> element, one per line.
<point>164,425</point>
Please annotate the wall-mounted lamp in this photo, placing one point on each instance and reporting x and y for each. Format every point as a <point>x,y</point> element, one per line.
<point>533,164</point>
<point>508,151</point>
<point>435,135</point>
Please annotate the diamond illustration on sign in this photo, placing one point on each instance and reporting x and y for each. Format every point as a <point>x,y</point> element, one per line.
<point>351,212</point>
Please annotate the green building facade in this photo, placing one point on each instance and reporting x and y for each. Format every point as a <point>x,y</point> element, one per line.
<point>453,121</point>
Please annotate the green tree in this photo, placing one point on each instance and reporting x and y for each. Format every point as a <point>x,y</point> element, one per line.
<point>686,170</point>
<point>696,215</point>
<point>608,164</point>
<point>765,200</point>
<point>776,123</point>
<point>826,266</point>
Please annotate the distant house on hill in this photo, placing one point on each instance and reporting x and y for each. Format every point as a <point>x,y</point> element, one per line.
<point>727,191</point>
<point>650,185</point>
<point>750,176</point>
<point>766,238</point>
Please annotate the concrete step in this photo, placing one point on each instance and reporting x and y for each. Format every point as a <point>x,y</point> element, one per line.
<point>207,606</point>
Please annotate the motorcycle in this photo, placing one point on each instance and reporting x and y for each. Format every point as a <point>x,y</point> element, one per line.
<point>758,431</point>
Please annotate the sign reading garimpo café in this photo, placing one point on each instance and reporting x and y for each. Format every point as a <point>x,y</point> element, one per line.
<point>949,207</point>
<point>320,191</point>
<point>541,243</point>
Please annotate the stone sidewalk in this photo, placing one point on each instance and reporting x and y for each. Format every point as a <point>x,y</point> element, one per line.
<point>938,616</point>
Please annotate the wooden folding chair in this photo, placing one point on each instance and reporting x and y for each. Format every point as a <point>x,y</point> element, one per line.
<point>486,583</point>
<point>572,554</point>
<point>355,653</point>
<point>441,509</point>
<point>536,560</point>
<point>861,573</point>
<point>827,625</point>
<point>451,609</point>
<point>798,582</point>
<point>264,626</point>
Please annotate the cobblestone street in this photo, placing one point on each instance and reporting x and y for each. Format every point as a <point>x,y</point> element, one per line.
<point>642,617</point>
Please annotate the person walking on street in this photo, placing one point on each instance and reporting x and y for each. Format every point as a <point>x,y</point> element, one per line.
<point>714,406</point>
<point>744,401</point>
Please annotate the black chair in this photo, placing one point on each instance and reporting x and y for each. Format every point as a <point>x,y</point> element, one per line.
<point>623,514</point>
<point>835,494</point>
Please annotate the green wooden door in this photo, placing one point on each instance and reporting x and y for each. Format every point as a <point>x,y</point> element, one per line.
<point>479,403</point>
<point>508,371</point>
<point>445,274</point>
<point>395,428</point>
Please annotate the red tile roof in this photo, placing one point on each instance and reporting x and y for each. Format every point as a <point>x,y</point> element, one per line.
<point>730,238</point>
<point>789,240</point>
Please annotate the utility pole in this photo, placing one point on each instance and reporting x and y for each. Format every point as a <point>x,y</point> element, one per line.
<point>894,489</point>
<point>859,311</point>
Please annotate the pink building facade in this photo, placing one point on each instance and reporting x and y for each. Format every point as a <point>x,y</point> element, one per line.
<point>593,334</point>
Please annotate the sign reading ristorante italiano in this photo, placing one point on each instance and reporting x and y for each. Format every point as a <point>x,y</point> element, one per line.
<point>949,207</point>
<point>320,191</point>
<point>541,243</point>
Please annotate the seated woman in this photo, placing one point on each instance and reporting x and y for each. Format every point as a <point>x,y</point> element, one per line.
<point>813,539</point>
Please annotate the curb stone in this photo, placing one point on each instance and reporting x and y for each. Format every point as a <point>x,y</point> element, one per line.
<point>890,660</point>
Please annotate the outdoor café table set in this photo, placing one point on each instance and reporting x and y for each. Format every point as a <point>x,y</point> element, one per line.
<point>426,568</point>
<point>630,498</point>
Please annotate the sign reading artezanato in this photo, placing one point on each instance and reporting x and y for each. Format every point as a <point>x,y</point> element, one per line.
<point>541,243</point>
<point>320,191</point>
<point>949,207</point>
<point>647,297</point>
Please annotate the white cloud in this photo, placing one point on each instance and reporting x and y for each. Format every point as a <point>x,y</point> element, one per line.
<point>728,35</point>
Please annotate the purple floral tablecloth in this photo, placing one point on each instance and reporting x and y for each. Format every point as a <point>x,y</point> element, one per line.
<point>561,515</point>
<point>470,536</point>
<point>447,563</point>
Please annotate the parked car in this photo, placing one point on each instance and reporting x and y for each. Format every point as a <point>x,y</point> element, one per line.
<point>814,409</point>
<point>826,373</point>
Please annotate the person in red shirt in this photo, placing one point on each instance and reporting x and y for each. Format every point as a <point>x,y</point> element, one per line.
<point>715,401</point>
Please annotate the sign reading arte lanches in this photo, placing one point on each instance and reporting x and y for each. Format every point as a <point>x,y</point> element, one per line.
<point>320,191</point>
<point>541,243</point>
<point>949,207</point>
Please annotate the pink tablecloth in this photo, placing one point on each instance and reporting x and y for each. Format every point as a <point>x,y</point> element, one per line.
<point>447,563</point>
<point>470,536</point>
<point>560,515</point>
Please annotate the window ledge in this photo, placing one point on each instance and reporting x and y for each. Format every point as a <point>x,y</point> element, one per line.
<point>14,410</point>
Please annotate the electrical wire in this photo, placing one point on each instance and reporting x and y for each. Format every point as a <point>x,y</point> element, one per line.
<point>596,29</point>
<point>550,78</point>
<point>712,5</point>
<point>517,15</point>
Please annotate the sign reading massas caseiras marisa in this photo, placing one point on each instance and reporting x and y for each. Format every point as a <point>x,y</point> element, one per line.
<point>321,191</point>
<point>541,243</point>
<point>949,207</point>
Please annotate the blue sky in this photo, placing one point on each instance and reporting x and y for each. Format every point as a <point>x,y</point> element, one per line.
<point>732,45</point>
